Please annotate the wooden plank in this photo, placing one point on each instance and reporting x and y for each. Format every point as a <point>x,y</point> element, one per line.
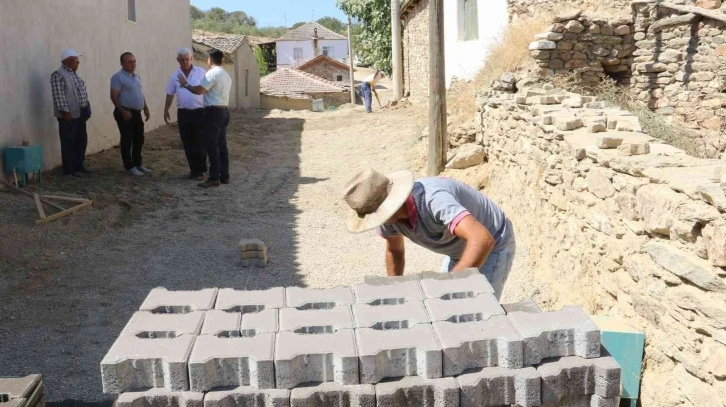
<point>66,212</point>
<point>64,198</point>
<point>39,205</point>
<point>437,89</point>
<point>16,189</point>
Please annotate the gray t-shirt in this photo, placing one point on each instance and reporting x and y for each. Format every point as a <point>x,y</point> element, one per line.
<point>437,205</point>
<point>129,85</point>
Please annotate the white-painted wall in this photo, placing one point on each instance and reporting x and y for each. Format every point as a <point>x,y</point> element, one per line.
<point>465,58</point>
<point>286,51</point>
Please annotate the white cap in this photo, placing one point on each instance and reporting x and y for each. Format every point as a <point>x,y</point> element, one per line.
<point>70,52</point>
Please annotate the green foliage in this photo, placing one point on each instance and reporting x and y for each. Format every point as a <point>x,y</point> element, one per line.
<point>196,13</point>
<point>333,24</point>
<point>235,22</point>
<point>260,57</point>
<point>373,39</point>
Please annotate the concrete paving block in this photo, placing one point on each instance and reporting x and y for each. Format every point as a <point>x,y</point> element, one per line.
<point>153,326</point>
<point>386,280</point>
<point>250,301</point>
<point>333,395</point>
<point>397,353</point>
<point>567,332</point>
<point>572,377</point>
<point>303,358</point>
<point>460,286</point>
<point>251,245</point>
<point>384,317</point>
<point>388,294</point>
<point>523,306</point>
<point>162,301</point>
<point>413,391</point>
<point>218,322</point>
<point>261,322</point>
<point>20,387</point>
<point>160,398</point>
<point>319,321</point>
<point>587,401</point>
<point>234,324</point>
<point>479,308</point>
<point>135,363</point>
<point>326,298</point>
<point>497,386</point>
<point>247,397</point>
<point>16,403</point>
<point>470,345</point>
<point>236,361</point>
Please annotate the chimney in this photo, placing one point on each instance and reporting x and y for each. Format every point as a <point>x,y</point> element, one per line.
<point>316,50</point>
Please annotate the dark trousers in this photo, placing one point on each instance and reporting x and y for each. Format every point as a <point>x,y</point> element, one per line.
<point>365,88</point>
<point>132,137</point>
<point>74,139</point>
<point>191,131</point>
<point>215,140</point>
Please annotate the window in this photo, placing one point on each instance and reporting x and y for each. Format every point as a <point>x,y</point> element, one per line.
<point>247,82</point>
<point>468,20</point>
<point>339,78</point>
<point>328,51</point>
<point>132,11</point>
<point>297,53</point>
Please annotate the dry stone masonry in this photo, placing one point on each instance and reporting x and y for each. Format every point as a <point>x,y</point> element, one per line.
<point>438,340</point>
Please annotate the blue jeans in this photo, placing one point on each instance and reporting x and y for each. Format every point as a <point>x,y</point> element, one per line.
<point>365,87</point>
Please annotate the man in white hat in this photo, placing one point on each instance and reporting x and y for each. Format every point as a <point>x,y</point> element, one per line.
<point>440,214</point>
<point>72,109</point>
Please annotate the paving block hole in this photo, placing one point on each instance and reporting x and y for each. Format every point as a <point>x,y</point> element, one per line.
<point>458,296</point>
<point>391,325</point>
<point>156,335</point>
<point>316,330</point>
<point>172,309</point>
<point>316,306</point>
<point>388,301</point>
<point>242,333</point>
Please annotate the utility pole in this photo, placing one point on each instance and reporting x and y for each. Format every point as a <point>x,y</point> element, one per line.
<point>350,62</point>
<point>437,89</point>
<point>396,48</point>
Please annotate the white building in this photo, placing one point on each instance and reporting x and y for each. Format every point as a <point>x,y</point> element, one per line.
<point>306,42</point>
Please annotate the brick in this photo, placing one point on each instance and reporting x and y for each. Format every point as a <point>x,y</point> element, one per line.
<point>247,397</point>
<point>479,308</point>
<point>413,391</point>
<point>160,398</point>
<point>252,245</point>
<point>523,306</point>
<point>134,363</point>
<point>334,395</point>
<point>386,280</point>
<point>496,386</point>
<point>153,326</point>
<point>388,294</point>
<point>470,345</point>
<point>398,352</point>
<point>467,285</point>
<point>568,332</point>
<point>254,254</point>
<point>384,317</point>
<point>316,321</point>
<point>315,358</point>
<point>235,361</point>
<point>162,301</point>
<point>572,377</point>
<point>326,298</point>
<point>250,301</point>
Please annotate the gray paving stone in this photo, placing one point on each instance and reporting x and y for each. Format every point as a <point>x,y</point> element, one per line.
<point>316,321</point>
<point>218,322</point>
<point>134,363</point>
<point>567,332</point>
<point>388,294</point>
<point>20,387</point>
<point>397,353</point>
<point>234,324</point>
<point>470,345</point>
<point>326,298</point>
<point>303,358</point>
<point>247,397</point>
<point>333,395</point>
<point>160,398</point>
<point>152,326</point>
<point>384,317</point>
<point>162,301</point>
<point>496,386</point>
<point>387,280</point>
<point>250,301</point>
<point>236,361</point>
<point>414,391</point>
<point>468,285</point>
<point>523,306</point>
<point>262,322</point>
<point>479,308</point>
<point>587,401</point>
<point>573,377</point>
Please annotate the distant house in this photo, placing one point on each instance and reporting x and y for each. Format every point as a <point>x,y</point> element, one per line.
<point>291,89</point>
<point>327,68</point>
<point>306,42</point>
<point>239,62</point>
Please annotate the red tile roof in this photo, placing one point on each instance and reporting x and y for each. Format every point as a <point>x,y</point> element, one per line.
<point>322,58</point>
<point>297,84</point>
<point>306,31</point>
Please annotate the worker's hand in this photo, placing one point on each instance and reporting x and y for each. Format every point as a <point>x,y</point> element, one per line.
<point>67,116</point>
<point>182,80</point>
<point>167,118</point>
<point>125,114</point>
<point>146,113</point>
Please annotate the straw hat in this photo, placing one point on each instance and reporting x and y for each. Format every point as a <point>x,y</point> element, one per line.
<point>373,198</point>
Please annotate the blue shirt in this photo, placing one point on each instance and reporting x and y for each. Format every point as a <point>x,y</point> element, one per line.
<point>129,86</point>
<point>435,208</point>
<point>218,83</point>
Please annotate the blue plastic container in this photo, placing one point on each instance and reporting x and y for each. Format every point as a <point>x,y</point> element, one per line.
<point>24,160</point>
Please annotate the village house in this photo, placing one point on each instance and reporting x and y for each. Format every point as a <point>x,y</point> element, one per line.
<point>292,89</point>
<point>306,42</point>
<point>35,33</point>
<point>327,68</point>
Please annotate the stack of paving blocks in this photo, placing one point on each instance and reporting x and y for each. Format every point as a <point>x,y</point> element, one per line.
<point>22,391</point>
<point>439,340</point>
<point>253,252</point>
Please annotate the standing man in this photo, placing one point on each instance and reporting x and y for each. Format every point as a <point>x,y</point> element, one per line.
<point>368,86</point>
<point>128,97</point>
<point>440,214</point>
<point>215,87</point>
<point>72,109</point>
<point>190,113</point>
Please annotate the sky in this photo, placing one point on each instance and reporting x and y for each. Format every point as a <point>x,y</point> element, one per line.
<point>272,12</point>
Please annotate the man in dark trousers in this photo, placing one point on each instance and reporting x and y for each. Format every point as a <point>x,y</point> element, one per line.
<point>72,109</point>
<point>215,87</point>
<point>128,97</point>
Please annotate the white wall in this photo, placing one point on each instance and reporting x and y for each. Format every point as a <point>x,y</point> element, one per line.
<point>34,33</point>
<point>286,53</point>
<point>465,58</point>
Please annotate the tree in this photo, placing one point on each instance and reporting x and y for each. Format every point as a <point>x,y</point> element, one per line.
<point>296,25</point>
<point>332,23</point>
<point>196,13</point>
<point>216,14</point>
<point>373,43</point>
<point>241,18</point>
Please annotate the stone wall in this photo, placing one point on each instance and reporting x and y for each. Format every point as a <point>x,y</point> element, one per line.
<point>416,53</point>
<point>636,231</point>
<point>332,99</point>
<point>328,71</point>
<point>530,8</point>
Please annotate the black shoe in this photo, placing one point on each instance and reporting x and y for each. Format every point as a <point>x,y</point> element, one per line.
<point>208,184</point>
<point>224,181</point>
<point>85,170</point>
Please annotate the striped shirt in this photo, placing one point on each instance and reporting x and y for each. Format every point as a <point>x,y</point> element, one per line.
<point>59,86</point>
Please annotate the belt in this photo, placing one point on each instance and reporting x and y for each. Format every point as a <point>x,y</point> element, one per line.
<point>191,110</point>
<point>131,110</point>
<point>215,107</point>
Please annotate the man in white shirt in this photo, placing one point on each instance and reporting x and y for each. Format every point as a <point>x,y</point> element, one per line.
<point>190,113</point>
<point>215,87</point>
